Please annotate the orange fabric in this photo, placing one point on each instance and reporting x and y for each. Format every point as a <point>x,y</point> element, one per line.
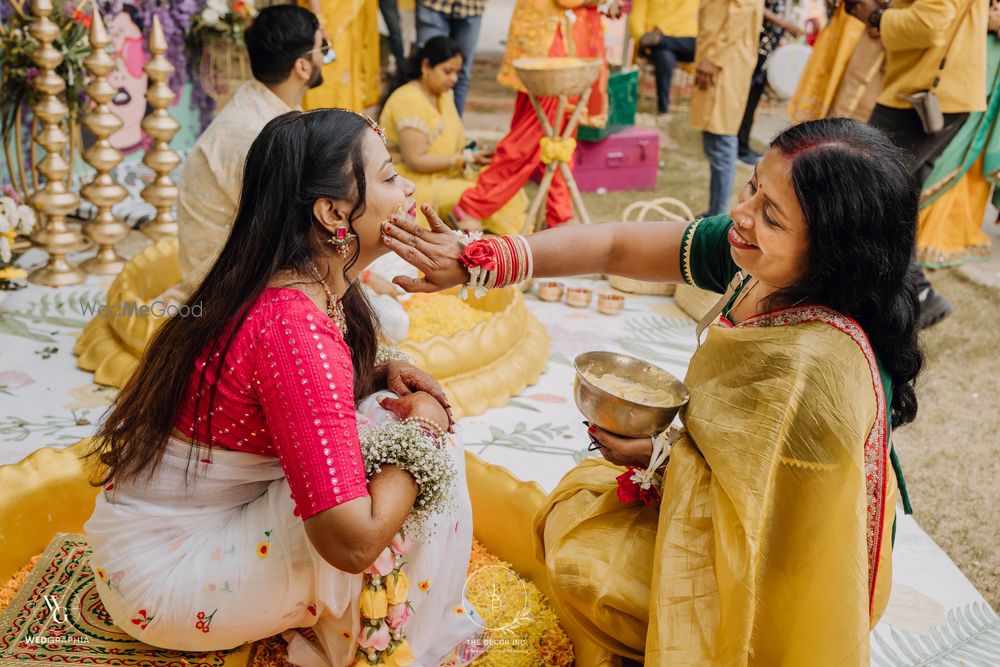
<point>518,155</point>
<point>519,152</point>
<point>540,27</point>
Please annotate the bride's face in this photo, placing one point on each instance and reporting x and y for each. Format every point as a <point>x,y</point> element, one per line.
<point>387,193</point>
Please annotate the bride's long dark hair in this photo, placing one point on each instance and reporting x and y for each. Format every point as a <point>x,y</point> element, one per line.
<point>297,159</point>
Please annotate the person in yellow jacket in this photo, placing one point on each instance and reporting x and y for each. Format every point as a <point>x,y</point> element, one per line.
<point>728,32</point>
<point>352,80</point>
<point>844,73</point>
<point>666,30</point>
<point>918,36</point>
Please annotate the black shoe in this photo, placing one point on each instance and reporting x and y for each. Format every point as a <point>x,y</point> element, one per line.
<point>933,309</point>
<point>750,158</point>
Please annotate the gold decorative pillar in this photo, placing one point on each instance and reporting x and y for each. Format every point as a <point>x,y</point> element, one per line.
<point>162,192</point>
<point>53,201</point>
<point>103,192</point>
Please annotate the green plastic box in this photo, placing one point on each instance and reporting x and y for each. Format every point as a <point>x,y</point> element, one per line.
<point>623,98</point>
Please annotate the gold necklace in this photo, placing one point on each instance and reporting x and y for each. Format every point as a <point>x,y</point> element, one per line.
<point>334,306</point>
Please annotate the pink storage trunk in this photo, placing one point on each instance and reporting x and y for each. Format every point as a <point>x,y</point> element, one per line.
<point>626,160</point>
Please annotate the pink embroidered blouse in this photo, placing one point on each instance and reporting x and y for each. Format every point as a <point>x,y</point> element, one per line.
<point>286,390</point>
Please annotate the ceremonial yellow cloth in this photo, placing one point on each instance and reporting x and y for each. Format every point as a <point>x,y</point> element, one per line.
<point>769,532</point>
<point>409,108</point>
<point>821,78</point>
<point>728,36</point>
<point>352,81</point>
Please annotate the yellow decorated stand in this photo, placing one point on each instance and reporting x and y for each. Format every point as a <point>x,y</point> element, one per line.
<point>480,368</point>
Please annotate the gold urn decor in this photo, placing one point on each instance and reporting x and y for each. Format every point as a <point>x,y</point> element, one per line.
<point>161,127</point>
<point>54,200</point>
<point>103,192</point>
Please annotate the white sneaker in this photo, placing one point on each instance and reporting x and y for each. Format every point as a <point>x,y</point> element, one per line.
<point>663,119</point>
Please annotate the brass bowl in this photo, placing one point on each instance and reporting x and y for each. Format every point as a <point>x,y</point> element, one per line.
<point>614,413</point>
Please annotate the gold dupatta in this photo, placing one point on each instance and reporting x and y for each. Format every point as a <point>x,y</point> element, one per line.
<point>768,547</point>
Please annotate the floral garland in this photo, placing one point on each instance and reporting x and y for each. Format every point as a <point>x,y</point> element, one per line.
<point>219,18</point>
<point>643,484</point>
<point>414,448</point>
<point>20,71</point>
<point>389,353</point>
<point>385,609</point>
<point>15,218</point>
<point>417,448</point>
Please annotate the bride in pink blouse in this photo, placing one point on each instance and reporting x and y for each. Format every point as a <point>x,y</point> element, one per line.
<point>236,504</point>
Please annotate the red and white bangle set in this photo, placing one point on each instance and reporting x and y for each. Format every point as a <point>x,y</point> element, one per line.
<point>496,262</point>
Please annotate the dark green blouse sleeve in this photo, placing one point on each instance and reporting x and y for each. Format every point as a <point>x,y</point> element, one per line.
<point>706,260</point>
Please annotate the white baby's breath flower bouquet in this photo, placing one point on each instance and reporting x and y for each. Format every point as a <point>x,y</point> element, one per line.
<point>415,448</point>
<point>15,219</point>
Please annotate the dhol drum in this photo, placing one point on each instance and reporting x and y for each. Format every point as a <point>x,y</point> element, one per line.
<point>785,68</point>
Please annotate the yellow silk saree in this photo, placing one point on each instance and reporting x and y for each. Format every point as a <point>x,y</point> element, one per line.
<point>771,543</point>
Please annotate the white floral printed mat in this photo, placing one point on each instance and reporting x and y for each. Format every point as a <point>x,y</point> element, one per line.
<point>935,616</point>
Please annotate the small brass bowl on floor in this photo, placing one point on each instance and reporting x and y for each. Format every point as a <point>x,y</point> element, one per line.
<point>619,415</point>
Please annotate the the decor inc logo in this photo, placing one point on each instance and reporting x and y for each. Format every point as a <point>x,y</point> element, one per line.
<point>506,607</point>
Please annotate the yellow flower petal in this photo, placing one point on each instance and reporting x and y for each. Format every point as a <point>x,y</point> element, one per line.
<point>401,657</point>
<point>374,604</point>
<point>397,587</point>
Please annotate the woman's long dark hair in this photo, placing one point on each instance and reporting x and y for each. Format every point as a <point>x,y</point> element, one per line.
<point>435,51</point>
<point>297,159</point>
<point>860,207</point>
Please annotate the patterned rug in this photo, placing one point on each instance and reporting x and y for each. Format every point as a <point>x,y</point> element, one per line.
<point>56,617</point>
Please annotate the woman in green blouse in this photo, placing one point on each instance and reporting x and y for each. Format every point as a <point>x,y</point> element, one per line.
<point>771,544</point>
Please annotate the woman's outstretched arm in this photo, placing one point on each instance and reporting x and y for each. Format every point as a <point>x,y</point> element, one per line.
<point>640,250</point>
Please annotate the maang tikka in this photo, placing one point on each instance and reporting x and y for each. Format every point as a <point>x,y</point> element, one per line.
<point>342,240</point>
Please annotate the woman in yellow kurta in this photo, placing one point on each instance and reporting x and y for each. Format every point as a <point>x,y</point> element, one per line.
<point>353,80</point>
<point>766,539</point>
<point>426,136</point>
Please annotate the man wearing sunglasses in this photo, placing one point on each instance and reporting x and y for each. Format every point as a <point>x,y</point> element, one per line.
<point>287,52</point>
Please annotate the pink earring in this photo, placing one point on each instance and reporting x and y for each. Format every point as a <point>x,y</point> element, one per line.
<point>342,240</point>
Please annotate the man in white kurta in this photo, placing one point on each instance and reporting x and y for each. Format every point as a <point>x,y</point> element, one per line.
<point>211,179</point>
<point>286,63</point>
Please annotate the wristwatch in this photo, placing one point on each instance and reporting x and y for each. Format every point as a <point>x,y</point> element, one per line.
<point>875,18</point>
